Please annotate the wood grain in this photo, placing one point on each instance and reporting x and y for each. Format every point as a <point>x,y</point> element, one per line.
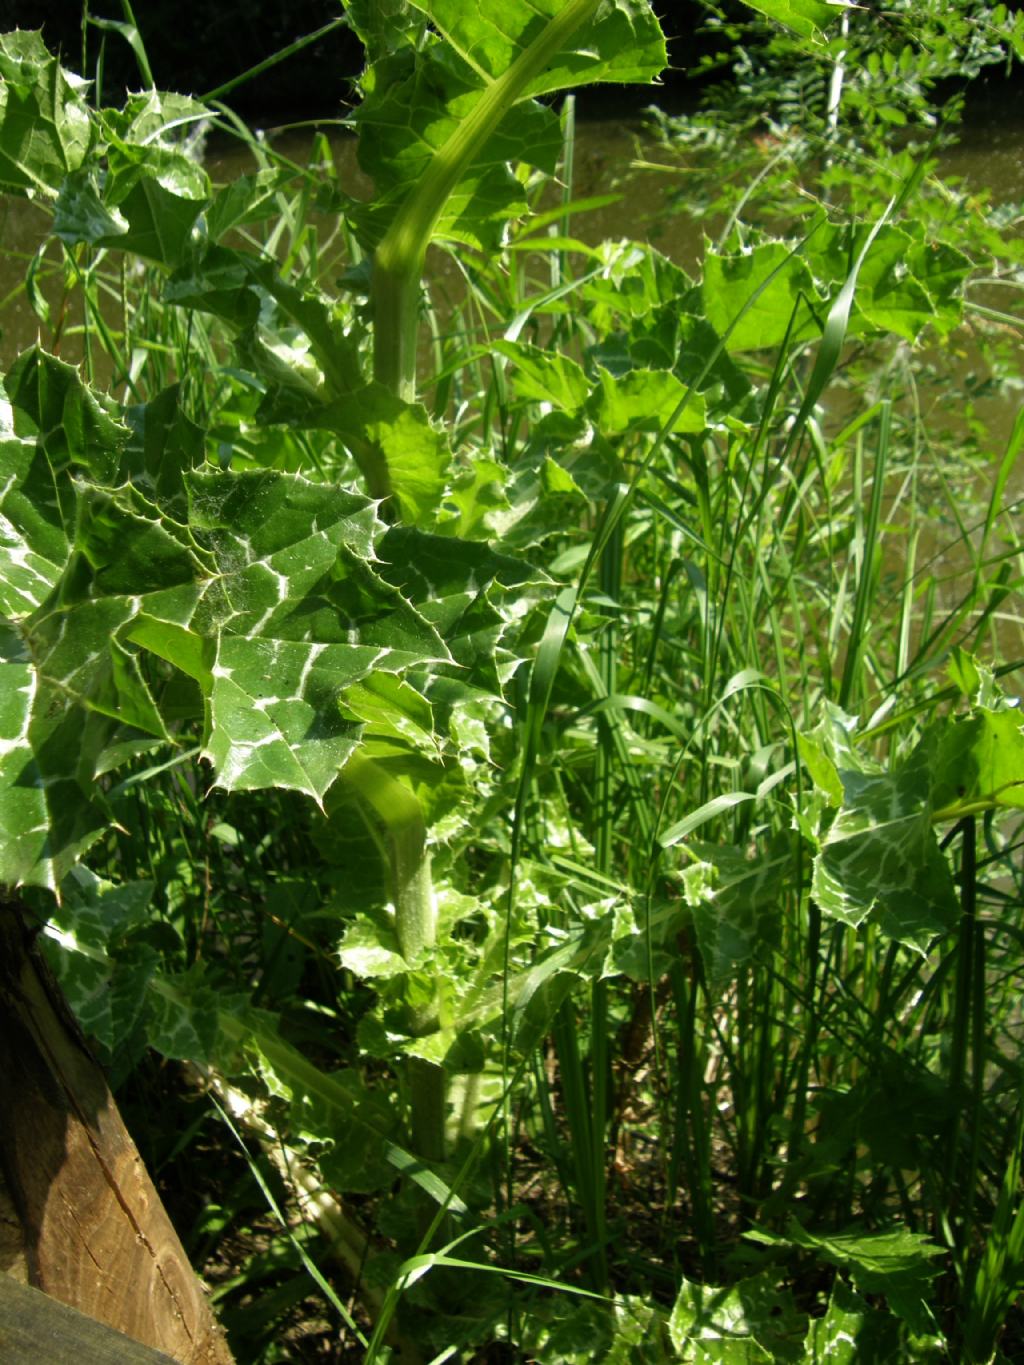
<point>35,1328</point>
<point>97,1236</point>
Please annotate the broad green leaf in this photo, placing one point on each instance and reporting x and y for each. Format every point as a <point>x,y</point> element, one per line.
<point>312,376</point>
<point>942,271</point>
<point>977,681</point>
<point>808,18</point>
<point>70,425</point>
<point>356,1159</point>
<point>308,617</point>
<point>185,1022</point>
<point>558,482</point>
<point>45,824</point>
<point>690,343</point>
<point>645,400</point>
<point>321,319</point>
<point>416,452</point>
<point>830,748</point>
<point>370,947</point>
<point>220,282</point>
<point>81,215</point>
<point>889,298</point>
<point>897,1263</point>
<point>340,1111</point>
<point>576,1331</point>
<point>271,599</point>
<point>478,497</point>
<point>880,858</point>
<point>901,1110</point>
<point>45,125</point>
<point>147,202</point>
<point>473,597</point>
<point>822,769</point>
<point>833,1338</point>
<point>905,283</point>
<point>544,376</point>
<point>33,546</point>
<point>269,718</point>
<point>243,290</point>
<point>160,193</point>
<point>851,1333</point>
<point>635,946</point>
<point>968,674</point>
<point>246,199</point>
<point>735,905</point>
<point>388,706</point>
<point>977,761</point>
<point>151,191</point>
<point>163,446</point>
<point>622,42</point>
<point>641,1333</point>
<point>750,1323</point>
<point>384,25</point>
<point>107,993</point>
<point>413,105</point>
<point>635,281</point>
<point>155,118</point>
<point>762,290</point>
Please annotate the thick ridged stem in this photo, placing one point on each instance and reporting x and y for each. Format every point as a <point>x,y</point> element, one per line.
<point>399,816</point>
<point>398,261</point>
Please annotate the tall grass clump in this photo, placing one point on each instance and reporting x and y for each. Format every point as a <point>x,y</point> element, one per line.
<point>527,730</point>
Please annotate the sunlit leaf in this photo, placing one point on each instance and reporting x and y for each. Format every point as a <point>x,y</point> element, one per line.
<point>978,759</point>
<point>761,293</point>
<point>808,18</point>
<point>545,376</point>
<point>45,127</point>
<point>646,400</point>
<point>621,43</point>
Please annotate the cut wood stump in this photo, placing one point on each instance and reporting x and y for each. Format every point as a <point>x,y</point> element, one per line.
<point>96,1235</point>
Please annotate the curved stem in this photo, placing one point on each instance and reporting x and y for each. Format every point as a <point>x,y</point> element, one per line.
<point>398,261</point>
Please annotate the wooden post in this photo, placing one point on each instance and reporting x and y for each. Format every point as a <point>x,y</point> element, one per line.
<point>34,1327</point>
<point>97,1237</point>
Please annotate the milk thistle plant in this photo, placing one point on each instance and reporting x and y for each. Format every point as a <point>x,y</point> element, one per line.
<point>513,749</point>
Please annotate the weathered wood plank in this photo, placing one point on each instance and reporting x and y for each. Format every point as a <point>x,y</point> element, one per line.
<point>97,1236</point>
<point>35,1328</point>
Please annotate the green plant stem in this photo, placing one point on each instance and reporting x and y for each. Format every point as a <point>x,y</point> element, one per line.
<point>400,817</point>
<point>868,560</point>
<point>398,261</point>
<point>428,1099</point>
<point>268,62</point>
<point>965,970</point>
<point>604,775</point>
<point>994,1284</point>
